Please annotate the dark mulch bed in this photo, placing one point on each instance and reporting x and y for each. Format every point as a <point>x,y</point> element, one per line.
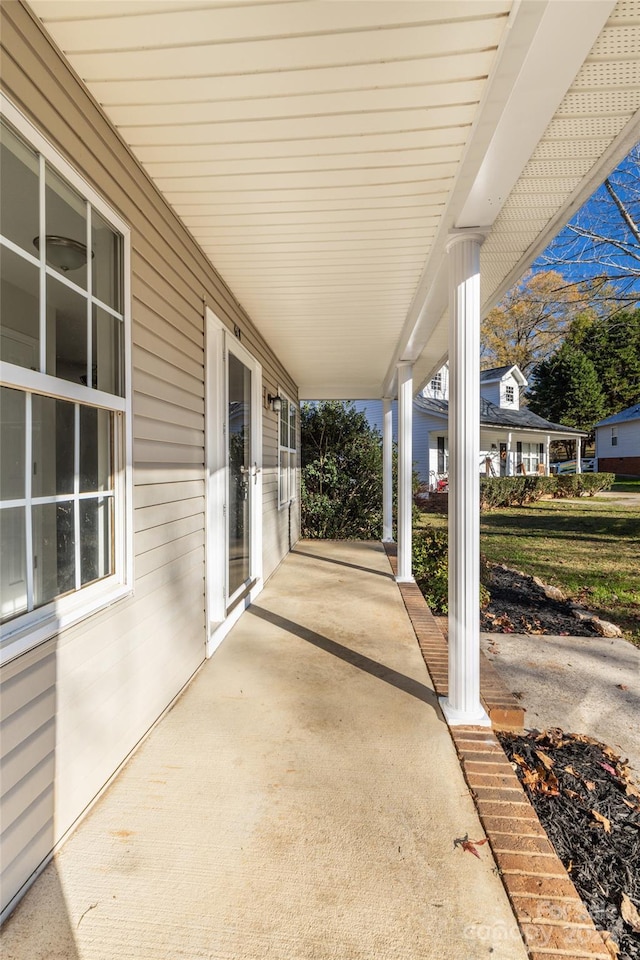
<point>590,808</point>
<point>518,605</point>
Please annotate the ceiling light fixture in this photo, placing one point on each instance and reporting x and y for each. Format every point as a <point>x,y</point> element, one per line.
<point>63,253</point>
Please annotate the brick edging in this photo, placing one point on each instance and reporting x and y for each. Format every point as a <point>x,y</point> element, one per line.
<point>552,918</point>
<point>503,709</point>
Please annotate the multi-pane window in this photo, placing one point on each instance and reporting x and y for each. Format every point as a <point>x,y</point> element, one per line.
<point>436,383</point>
<point>62,399</point>
<point>614,436</point>
<point>287,455</point>
<point>510,394</point>
<point>529,456</point>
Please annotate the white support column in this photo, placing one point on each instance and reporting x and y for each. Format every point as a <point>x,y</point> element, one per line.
<point>387,471</point>
<point>462,706</point>
<point>547,463</point>
<point>405,464</point>
<point>578,455</point>
<point>509,468</point>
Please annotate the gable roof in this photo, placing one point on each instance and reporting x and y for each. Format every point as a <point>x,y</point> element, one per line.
<point>499,373</point>
<point>491,415</point>
<point>631,413</point>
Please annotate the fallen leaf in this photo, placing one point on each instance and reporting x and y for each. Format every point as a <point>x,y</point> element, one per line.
<point>545,759</point>
<point>589,784</point>
<point>571,793</point>
<point>519,759</point>
<point>603,820</point>
<point>631,790</point>
<point>469,845</point>
<point>570,770</point>
<point>610,944</point>
<point>622,686</point>
<point>630,913</point>
<point>609,769</point>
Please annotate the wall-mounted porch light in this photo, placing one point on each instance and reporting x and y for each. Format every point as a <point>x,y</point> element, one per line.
<point>275,402</point>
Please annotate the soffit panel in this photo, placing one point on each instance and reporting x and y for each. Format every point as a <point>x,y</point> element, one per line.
<point>601,105</point>
<point>312,149</point>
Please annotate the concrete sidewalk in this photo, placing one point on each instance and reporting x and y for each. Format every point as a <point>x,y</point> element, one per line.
<point>582,684</point>
<point>300,801</point>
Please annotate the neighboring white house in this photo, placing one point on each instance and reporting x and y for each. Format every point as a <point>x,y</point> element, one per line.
<point>618,443</point>
<point>512,438</point>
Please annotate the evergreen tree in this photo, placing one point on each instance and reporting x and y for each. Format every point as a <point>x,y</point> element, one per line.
<point>613,346</point>
<point>566,389</point>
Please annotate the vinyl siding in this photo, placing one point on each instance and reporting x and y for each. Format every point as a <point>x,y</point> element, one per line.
<point>80,702</point>
<point>628,444</point>
<point>422,424</point>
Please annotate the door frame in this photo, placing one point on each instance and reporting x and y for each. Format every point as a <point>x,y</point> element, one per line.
<point>219,615</point>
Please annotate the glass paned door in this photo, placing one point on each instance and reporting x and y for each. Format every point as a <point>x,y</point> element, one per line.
<point>240,486</point>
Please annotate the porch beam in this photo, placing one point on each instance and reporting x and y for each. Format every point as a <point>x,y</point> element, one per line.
<point>387,471</point>
<point>462,705</point>
<point>405,463</point>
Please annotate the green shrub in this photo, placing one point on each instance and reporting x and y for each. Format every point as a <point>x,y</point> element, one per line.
<point>592,483</point>
<point>517,491</point>
<point>430,567</point>
<point>510,491</point>
<point>567,485</point>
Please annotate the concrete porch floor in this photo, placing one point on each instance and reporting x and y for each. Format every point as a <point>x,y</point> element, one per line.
<point>299,801</point>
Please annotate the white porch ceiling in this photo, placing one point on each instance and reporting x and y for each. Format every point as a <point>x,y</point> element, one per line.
<point>321,152</point>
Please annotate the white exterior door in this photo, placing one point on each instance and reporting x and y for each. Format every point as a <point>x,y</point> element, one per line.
<point>234,479</point>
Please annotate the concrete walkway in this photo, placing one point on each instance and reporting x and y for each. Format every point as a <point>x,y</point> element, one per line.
<point>300,801</point>
<point>582,684</point>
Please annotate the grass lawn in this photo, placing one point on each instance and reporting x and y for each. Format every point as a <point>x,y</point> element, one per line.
<point>590,548</point>
<point>627,486</point>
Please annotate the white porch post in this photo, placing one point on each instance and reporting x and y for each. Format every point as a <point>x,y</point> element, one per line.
<point>462,706</point>
<point>405,463</point>
<point>547,464</point>
<point>387,471</point>
<point>509,470</point>
<point>578,455</point>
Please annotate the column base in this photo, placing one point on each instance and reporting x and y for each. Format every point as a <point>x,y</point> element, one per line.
<point>459,718</point>
<point>404,579</point>
<point>388,540</point>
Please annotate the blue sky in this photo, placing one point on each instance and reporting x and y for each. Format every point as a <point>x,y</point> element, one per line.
<point>597,241</point>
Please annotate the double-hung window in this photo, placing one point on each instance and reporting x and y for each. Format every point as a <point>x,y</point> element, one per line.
<point>287,453</point>
<point>64,432</point>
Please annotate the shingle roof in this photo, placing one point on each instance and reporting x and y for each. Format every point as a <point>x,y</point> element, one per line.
<point>491,415</point>
<point>631,413</point>
<point>495,373</point>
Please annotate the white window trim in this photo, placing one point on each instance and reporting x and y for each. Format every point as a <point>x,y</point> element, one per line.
<point>37,626</point>
<point>283,504</point>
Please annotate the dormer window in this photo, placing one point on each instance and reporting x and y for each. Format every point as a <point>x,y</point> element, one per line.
<point>510,394</point>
